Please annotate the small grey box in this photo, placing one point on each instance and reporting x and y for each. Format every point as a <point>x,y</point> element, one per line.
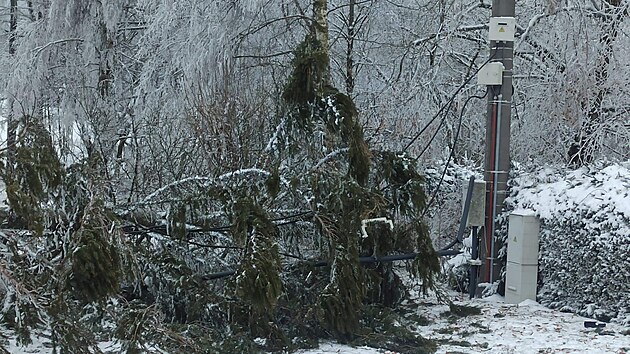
<point>477,211</point>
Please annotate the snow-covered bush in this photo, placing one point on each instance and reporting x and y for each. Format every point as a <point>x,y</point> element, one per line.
<point>585,237</point>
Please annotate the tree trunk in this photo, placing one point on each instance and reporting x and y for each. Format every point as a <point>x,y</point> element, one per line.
<point>320,28</point>
<point>350,50</point>
<point>11,122</point>
<point>105,77</point>
<point>320,12</point>
<point>31,11</point>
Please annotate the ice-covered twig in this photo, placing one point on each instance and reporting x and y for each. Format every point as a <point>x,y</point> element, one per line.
<point>368,221</point>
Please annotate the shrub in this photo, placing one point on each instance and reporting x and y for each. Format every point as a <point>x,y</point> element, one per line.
<point>584,241</point>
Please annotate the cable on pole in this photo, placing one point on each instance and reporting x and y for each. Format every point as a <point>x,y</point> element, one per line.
<point>450,155</point>
<point>445,107</point>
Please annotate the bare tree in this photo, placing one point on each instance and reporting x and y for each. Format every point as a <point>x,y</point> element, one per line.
<point>593,130</point>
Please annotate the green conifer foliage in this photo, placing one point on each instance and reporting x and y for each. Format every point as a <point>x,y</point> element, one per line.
<point>36,174</point>
<point>341,301</point>
<point>21,315</point>
<point>342,118</point>
<point>177,220</point>
<point>137,327</point>
<point>257,282</point>
<point>95,270</point>
<point>342,204</point>
<point>68,333</point>
<point>426,264</point>
<point>181,293</point>
<point>305,85</point>
<point>322,120</point>
<point>272,183</point>
<point>403,187</point>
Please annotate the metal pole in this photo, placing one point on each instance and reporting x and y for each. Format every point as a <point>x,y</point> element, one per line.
<point>474,267</point>
<point>497,159</point>
<point>495,190</point>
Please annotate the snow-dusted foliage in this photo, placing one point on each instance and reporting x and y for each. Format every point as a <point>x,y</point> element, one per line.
<point>585,237</point>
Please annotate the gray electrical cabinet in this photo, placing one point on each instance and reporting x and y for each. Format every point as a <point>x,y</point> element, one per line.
<point>521,276</point>
<point>477,211</point>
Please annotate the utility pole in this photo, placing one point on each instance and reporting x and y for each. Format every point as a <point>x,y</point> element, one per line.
<point>497,158</point>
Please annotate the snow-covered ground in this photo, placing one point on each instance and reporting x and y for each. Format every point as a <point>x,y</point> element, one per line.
<point>500,328</point>
<point>505,328</point>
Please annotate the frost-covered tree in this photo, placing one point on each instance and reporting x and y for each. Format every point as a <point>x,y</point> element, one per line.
<point>152,155</point>
<point>565,55</point>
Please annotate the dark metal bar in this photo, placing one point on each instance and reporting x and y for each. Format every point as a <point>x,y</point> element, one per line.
<point>362,260</point>
<point>467,202</point>
<point>474,268</point>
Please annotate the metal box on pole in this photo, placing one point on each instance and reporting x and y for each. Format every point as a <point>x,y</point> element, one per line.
<point>477,211</point>
<point>502,29</point>
<point>491,74</point>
